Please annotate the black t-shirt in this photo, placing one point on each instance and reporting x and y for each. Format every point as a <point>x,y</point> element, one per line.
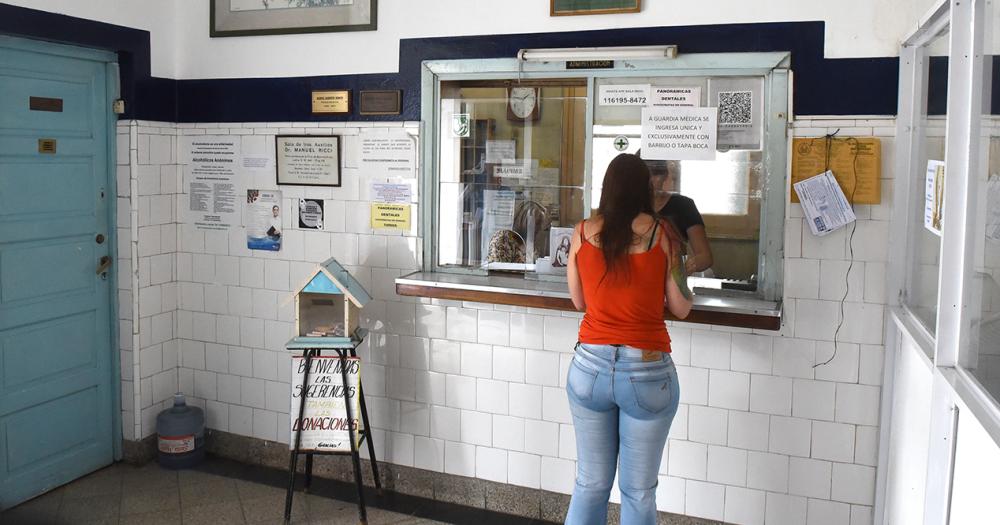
<point>682,213</point>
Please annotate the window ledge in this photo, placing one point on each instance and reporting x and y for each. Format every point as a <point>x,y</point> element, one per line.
<point>517,291</point>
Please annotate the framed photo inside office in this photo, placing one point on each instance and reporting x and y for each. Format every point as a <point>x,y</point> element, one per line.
<point>275,17</point>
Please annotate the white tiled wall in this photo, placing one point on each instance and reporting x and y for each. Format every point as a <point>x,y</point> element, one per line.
<point>478,390</point>
<point>148,187</point>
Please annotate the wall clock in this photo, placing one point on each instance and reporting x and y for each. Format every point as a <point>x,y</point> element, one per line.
<point>523,103</point>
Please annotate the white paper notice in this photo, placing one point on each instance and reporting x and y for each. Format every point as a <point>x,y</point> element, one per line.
<point>498,206</point>
<point>993,208</point>
<point>210,175</point>
<point>934,196</point>
<point>679,133</point>
<point>675,96</point>
<point>388,155</point>
<point>824,204</point>
<point>391,193</point>
<point>623,95</point>
<point>257,162</point>
<point>498,151</point>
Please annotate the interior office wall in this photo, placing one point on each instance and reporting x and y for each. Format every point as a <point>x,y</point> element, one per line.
<point>854,28</point>
<point>159,17</point>
<point>478,390</point>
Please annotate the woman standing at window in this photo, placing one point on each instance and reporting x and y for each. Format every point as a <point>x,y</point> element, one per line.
<point>622,385</point>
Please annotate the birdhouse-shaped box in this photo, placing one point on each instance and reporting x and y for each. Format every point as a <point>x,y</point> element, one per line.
<point>328,306</point>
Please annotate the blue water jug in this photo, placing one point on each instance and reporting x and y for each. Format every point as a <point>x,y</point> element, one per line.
<point>180,432</point>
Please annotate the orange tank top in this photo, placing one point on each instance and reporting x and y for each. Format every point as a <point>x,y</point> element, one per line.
<point>624,309</point>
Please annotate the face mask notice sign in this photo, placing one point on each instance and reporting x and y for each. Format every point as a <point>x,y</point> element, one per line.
<point>679,133</point>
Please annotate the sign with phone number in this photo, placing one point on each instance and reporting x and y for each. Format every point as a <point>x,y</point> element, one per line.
<point>623,95</point>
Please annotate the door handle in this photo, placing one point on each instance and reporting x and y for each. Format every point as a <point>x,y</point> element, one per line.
<point>104,264</point>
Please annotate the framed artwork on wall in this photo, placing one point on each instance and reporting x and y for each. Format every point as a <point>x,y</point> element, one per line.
<point>277,17</point>
<point>592,7</point>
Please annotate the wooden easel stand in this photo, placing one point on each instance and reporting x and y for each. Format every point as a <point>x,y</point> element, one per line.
<point>342,353</point>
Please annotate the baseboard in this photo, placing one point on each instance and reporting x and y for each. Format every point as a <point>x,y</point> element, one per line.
<point>139,452</point>
<point>435,486</point>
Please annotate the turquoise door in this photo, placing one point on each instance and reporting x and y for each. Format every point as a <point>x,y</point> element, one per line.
<point>56,381</point>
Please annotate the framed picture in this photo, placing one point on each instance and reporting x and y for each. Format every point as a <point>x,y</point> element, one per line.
<point>592,7</point>
<point>278,17</point>
<point>307,160</point>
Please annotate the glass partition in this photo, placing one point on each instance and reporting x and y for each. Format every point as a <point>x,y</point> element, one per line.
<point>982,356</point>
<point>930,135</point>
<point>510,172</point>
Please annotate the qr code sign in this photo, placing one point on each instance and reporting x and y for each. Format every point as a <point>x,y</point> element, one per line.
<point>736,107</point>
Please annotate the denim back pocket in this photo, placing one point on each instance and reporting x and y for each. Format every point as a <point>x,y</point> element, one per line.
<point>653,393</point>
<point>580,380</point>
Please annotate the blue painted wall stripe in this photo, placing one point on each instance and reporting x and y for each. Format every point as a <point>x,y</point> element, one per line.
<point>850,86</point>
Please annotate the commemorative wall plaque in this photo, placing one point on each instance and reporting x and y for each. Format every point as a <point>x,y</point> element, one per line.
<point>381,102</point>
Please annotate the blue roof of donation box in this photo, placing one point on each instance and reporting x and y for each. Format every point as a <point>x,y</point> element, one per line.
<point>331,278</point>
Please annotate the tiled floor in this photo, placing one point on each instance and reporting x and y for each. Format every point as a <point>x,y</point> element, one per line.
<point>150,495</point>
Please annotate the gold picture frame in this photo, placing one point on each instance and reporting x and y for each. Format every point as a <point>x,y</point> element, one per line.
<point>593,7</point>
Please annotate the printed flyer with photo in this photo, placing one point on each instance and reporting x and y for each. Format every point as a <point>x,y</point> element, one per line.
<point>263,220</point>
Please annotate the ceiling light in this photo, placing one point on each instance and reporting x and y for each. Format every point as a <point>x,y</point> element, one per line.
<point>597,53</point>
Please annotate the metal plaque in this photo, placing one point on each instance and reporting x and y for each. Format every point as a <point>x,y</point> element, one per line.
<point>45,104</point>
<point>381,102</point>
<point>47,146</point>
<point>331,102</point>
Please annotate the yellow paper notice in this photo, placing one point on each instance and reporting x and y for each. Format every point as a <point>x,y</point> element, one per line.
<point>390,216</point>
<point>809,158</point>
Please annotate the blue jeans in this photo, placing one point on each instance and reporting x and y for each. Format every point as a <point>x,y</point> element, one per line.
<point>622,407</point>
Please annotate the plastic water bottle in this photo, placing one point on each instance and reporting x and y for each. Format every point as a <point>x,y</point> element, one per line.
<point>180,432</point>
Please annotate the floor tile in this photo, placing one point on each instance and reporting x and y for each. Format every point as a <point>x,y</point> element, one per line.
<point>149,477</point>
<point>100,483</point>
<point>208,491</point>
<point>75,510</point>
<point>227,513</point>
<point>163,517</point>
<point>146,501</point>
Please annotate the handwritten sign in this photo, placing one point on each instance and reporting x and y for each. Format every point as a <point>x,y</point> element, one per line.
<point>324,423</point>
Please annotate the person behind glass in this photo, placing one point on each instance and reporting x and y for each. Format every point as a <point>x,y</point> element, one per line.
<point>680,211</point>
<point>623,266</point>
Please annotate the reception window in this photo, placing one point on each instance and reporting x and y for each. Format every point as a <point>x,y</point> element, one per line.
<point>516,154</point>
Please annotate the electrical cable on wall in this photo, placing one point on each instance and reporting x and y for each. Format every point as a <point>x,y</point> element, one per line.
<point>851,141</point>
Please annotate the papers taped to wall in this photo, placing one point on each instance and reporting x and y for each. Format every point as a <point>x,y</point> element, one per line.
<point>824,204</point>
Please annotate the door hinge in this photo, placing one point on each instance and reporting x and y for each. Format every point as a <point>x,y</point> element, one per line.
<point>118,106</point>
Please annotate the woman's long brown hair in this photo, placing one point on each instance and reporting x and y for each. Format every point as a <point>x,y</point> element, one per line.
<point>626,193</point>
